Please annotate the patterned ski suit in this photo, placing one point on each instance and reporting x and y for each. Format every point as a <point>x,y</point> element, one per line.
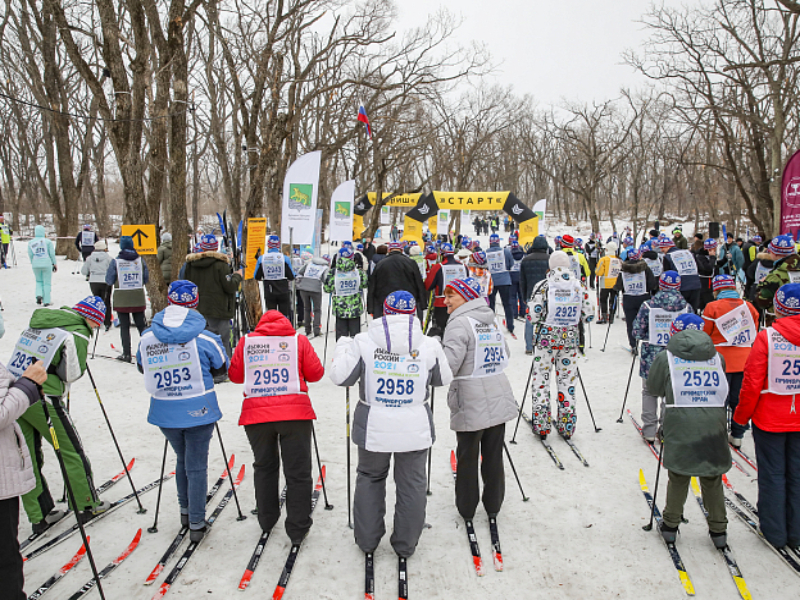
<point>556,345</point>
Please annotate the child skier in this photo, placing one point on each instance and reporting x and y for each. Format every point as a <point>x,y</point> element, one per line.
<point>345,282</point>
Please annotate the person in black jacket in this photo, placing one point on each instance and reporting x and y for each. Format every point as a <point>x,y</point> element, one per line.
<point>277,290</point>
<point>533,270</point>
<point>592,250</point>
<point>85,241</point>
<point>636,283</point>
<point>393,273</point>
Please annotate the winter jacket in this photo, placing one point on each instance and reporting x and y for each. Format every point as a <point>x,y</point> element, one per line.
<point>164,256</point>
<point>592,250</point>
<point>634,267</point>
<point>756,273</point>
<point>128,301</point>
<point>345,307</point>
<point>376,258</point>
<point>696,437</point>
<point>180,328</point>
<point>501,277</point>
<point>16,470</point>
<point>475,403</point>
<point>770,412</point>
<point>668,300</point>
<point>732,257</point>
<point>483,277</point>
<point>96,266</point>
<point>534,267</point>
<point>85,249</point>
<point>604,270</point>
<point>41,251</point>
<point>283,407</point>
<point>555,337</point>
<point>688,282</point>
<point>517,255</point>
<point>216,284</point>
<point>393,273</point>
<point>316,275</point>
<point>435,280</point>
<point>276,286</point>
<point>735,356</point>
<point>779,275</point>
<point>392,414</point>
<point>69,361</point>
<point>681,243</point>
<point>582,267</point>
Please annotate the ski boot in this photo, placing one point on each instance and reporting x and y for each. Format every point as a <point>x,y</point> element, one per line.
<point>720,539</point>
<point>50,519</point>
<point>670,534</point>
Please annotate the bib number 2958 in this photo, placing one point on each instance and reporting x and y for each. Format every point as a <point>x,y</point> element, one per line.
<point>401,387</point>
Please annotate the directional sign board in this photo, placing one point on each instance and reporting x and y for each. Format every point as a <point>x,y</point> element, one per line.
<point>144,237</point>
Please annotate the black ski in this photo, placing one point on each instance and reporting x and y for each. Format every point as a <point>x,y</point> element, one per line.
<point>402,578</point>
<point>262,542</point>
<point>89,585</point>
<point>369,576</point>
<point>546,444</point>
<point>497,554</point>
<point>575,451</point>
<point>474,549</point>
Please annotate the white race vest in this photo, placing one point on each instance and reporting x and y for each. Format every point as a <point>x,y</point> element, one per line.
<point>272,266</point>
<point>346,283</point>
<point>33,345</point>
<point>270,366</point>
<point>794,276</point>
<point>515,267</point>
<point>575,266</point>
<point>761,272</point>
<point>171,371</point>
<point>496,262</point>
<point>659,323</point>
<point>614,268</point>
<point>655,266</point>
<point>684,262</point>
<point>129,274</point>
<point>87,238</point>
<point>450,273</point>
<point>483,280</point>
<point>420,260</point>
<point>563,305</point>
<point>783,365</point>
<point>737,326</point>
<point>39,248</point>
<point>314,271</point>
<point>634,284</point>
<point>490,354</point>
<point>697,383</point>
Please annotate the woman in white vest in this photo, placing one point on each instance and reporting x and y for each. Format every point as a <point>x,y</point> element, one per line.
<point>394,363</point>
<point>128,274</point>
<point>636,283</point>
<point>43,260</point>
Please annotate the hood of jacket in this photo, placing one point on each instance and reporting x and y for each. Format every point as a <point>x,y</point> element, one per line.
<point>561,274</point>
<point>38,231</point>
<point>788,327</point>
<point>634,266</point>
<point>45,318</point>
<point>344,264</point>
<point>274,323</point>
<point>167,243</point>
<point>650,255</point>
<point>540,243</point>
<point>318,260</point>
<point>766,257</point>
<point>517,253</point>
<point>166,237</point>
<point>204,260</point>
<point>476,309</point>
<point>692,345</point>
<point>670,300</point>
<point>177,325</point>
<point>128,254</point>
<point>396,333</point>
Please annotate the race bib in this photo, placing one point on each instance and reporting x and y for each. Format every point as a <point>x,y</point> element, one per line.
<point>697,383</point>
<point>297,263</point>
<point>346,283</point>
<point>33,345</point>
<point>684,262</point>
<point>314,271</point>
<point>483,280</point>
<point>659,323</point>
<point>634,284</point>
<point>396,380</point>
<point>420,260</point>
<point>171,371</point>
<point>39,248</point>
<point>129,274</point>
<point>737,326</point>
<point>794,276</point>
<point>761,272</point>
<point>783,368</point>
<point>655,266</point>
<point>563,305</point>
<point>270,366</point>
<point>496,262</point>
<point>614,268</point>
<point>490,355</point>
<point>575,266</point>
<point>87,238</point>
<point>515,266</point>
<point>272,266</point>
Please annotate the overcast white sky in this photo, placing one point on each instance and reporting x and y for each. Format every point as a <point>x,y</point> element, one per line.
<point>551,49</point>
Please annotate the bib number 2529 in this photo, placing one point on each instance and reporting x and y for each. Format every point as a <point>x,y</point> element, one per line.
<point>698,379</point>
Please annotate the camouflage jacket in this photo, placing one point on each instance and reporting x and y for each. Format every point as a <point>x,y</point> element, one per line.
<point>776,278</point>
<point>345,307</point>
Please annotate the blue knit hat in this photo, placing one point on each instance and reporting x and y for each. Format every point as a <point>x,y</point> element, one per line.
<point>494,239</point>
<point>479,257</point>
<point>468,288</point>
<point>446,248</point>
<point>208,243</point>
<point>360,247</point>
<point>782,246</point>
<point>723,282</point>
<point>347,244</point>
<point>126,242</point>
<point>787,300</point>
<point>686,321</point>
<point>710,244</point>
<point>273,242</point>
<point>669,280</point>
<point>92,308</point>
<point>513,241</point>
<point>757,239</point>
<point>183,293</point>
<point>346,252</point>
<point>394,246</point>
<point>399,303</point>
<point>634,254</point>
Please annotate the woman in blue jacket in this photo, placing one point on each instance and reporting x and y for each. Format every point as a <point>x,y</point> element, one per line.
<point>179,359</point>
<point>43,260</point>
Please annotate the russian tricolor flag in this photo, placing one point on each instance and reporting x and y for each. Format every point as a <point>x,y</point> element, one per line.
<point>362,116</point>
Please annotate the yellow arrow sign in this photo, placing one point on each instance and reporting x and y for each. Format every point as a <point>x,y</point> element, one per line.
<point>144,237</point>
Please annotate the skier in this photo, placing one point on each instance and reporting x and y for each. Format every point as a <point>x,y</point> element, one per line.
<point>440,275</point>
<point>164,255</point>
<point>636,283</point>
<point>480,397</point>
<point>695,434</point>
<point>61,339</point>
<point>593,249</point>
<point>608,270</point>
<point>532,270</point>
<point>395,364</point>
<point>756,273</point>
<point>274,269</point>
<point>652,328</point>
<point>685,264</point>
<point>344,283</point>
<point>558,305</point>
<point>128,274</point>
<point>5,240</point>
<point>85,241</point>
<point>185,409</point>
<point>395,272</point>
<point>708,267</point>
<point>95,269</point>
<point>278,418</point>
<point>42,255</point>
<point>499,262</point>
<point>785,269</point>
<point>578,264</point>
<point>309,286</point>
<point>652,256</point>
<point>518,300</point>
<point>476,266</point>
<point>681,243</point>
<point>768,399</point>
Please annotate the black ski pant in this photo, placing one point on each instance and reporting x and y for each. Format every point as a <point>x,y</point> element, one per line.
<point>472,446</point>
<point>348,327</point>
<point>288,442</point>
<point>592,275</point>
<point>103,290</point>
<point>11,574</point>
<point>280,302</point>
<point>693,298</point>
<point>125,328</point>
<point>607,298</point>
<point>631,306</point>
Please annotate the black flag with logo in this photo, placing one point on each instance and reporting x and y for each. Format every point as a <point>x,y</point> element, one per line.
<point>362,206</point>
<point>425,209</point>
<point>517,210</point>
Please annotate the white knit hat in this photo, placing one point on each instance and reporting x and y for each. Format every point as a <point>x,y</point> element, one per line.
<point>559,259</point>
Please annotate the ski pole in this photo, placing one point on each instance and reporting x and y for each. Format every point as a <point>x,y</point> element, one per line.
<point>64,491</point>
<point>514,469</point>
<point>327,329</point>
<point>628,387</point>
<point>588,404</point>
<point>525,394</point>
<point>430,450</point>
<point>649,526</point>
<point>241,517</point>
<point>71,494</point>
<point>349,494</point>
<point>142,509</point>
<point>328,505</point>
<point>610,315</point>
<point>154,528</point>
<point>96,337</point>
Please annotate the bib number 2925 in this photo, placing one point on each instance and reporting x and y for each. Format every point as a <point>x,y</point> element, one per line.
<point>566,312</point>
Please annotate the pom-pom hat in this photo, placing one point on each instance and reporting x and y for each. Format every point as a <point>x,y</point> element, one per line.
<point>399,303</point>
<point>782,246</point>
<point>468,288</point>
<point>787,300</point>
<point>92,308</point>
<point>723,282</point>
<point>686,321</point>
<point>669,280</point>
<point>273,242</point>
<point>183,293</point>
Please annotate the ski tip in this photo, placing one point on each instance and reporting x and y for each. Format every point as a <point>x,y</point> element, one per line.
<point>687,583</point>
<point>162,591</point>
<point>642,480</point>
<point>742,587</point>
<point>154,574</point>
<point>278,593</point>
<point>453,461</point>
<point>498,561</point>
<point>323,472</point>
<point>231,465</point>
<point>130,464</point>
<point>240,476</point>
<point>248,575</point>
<point>478,562</point>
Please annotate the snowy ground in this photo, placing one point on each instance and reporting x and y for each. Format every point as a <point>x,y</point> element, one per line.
<point>579,536</point>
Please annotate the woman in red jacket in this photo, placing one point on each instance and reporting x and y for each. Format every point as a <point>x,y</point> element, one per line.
<point>275,365</point>
<point>768,397</point>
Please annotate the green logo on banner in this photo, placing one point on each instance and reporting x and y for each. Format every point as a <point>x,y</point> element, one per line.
<point>342,209</point>
<point>300,195</point>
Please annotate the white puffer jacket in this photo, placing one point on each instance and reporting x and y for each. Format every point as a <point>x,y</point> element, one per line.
<point>16,470</point>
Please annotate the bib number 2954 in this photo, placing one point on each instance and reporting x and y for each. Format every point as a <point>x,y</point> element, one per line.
<point>492,354</point>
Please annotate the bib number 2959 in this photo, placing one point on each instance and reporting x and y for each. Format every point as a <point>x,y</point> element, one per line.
<point>401,387</point>
<point>271,376</point>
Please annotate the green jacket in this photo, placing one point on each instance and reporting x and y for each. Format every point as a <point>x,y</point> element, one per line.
<point>345,307</point>
<point>69,362</point>
<point>164,254</point>
<point>681,243</point>
<point>216,284</point>
<point>695,439</point>
<point>779,275</point>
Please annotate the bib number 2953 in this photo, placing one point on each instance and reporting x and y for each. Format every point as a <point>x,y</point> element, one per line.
<point>401,387</point>
<point>169,378</point>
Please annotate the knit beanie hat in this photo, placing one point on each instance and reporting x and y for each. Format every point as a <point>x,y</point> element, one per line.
<point>634,254</point>
<point>669,280</point>
<point>208,243</point>
<point>787,300</point>
<point>494,240</point>
<point>101,245</point>
<point>782,246</point>
<point>446,249</point>
<point>686,321</point>
<point>567,241</point>
<point>479,257</point>
<point>183,293</point>
<point>757,239</point>
<point>666,243</point>
<point>347,244</point>
<point>710,244</point>
<point>346,252</point>
<point>723,282</point>
<point>399,303</point>
<point>274,242</point>
<point>559,259</point>
<point>468,288</point>
<point>415,251</point>
<point>611,247</point>
<point>395,246</point>
<point>126,242</point>
<point>92,308</point>
<point>513,241</point>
